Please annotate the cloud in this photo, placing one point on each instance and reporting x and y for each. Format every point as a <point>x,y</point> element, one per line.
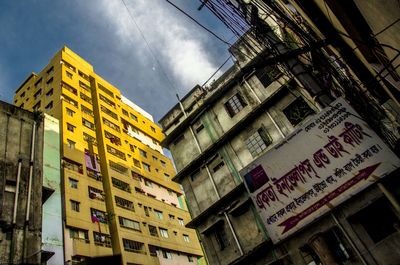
<point>180,47</point>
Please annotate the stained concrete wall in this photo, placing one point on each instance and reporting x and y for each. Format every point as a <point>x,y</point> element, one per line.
<point>20,241</point>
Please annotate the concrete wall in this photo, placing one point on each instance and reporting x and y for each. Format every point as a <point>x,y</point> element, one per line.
<point>20,241</point>
<point>52,231</point>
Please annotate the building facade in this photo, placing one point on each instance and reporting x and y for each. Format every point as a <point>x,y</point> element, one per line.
<point>21,191</point>
<point>118,197</point>
<point>225,128</point>
<point>213,134</point>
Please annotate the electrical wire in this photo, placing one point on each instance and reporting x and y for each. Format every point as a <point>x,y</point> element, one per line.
<point>171,85</point>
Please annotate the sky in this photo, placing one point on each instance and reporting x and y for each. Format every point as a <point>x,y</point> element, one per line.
<point>103,33</point>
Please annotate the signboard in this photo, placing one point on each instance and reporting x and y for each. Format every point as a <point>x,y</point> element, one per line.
<point>325,162</point>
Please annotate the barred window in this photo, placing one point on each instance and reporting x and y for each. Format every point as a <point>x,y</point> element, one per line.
<point>111,125</point>
<point>108,112</point>
<point>297,111</point>
<point>235,104</point>
<point>164,232</point>
<point>85,97</point>
<point>258,142</point>
<point>133,246</point>
<point>120,184</point>
<point>128,223</point>
<point>70,100</point>
<point>153,230</point>
<point>100,215</point>
<point>102,239</point>
<point>116,152</point>
<point>95,193</point>
<point>107,101</point>
<point>121,202</point>
<point>87,111</point>
<point>117,167</point>
<point>88,124</point>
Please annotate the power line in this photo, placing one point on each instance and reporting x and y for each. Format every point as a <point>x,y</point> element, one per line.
<point>149,48</point>
<point>198,23</point>
<point>219,68</point>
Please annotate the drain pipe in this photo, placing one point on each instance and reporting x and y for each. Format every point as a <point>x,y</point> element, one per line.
<point>14,220</point>
<point>28,202</point>
<point>259,102</point>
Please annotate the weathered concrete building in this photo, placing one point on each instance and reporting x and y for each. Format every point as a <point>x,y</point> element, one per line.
<point>21,146</point>
<point>213,135</point>
<point>216,133</point>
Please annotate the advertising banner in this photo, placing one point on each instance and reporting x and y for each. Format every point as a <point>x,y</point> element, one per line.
<point>326,161</point>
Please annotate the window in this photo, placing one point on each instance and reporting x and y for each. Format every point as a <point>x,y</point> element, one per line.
<point>102,239</point>
<point>83,75</point>
<point>109,112</point>
<point>142,153</point>
<point>69,88</point>
<point>153,230</point>
<point>116,152</point>
<point>95,193</point>
<point>38,82</point>
<point>186,238</point>
<point>123,203</point>
<point>158,214</point>
<point>152,129</point>
<point>51,70</point>
<point>99,215</point>
<point>37,106</point>
<point>153,250</point>
<point>163,232</point>
<point>146,167</point>
<point>163,164</point>
<point>74,205</point>
<point>258,142</point>
<point>167,254</point>
<point>128,223</point>
<point>180,221</point>
<point>133,246</point>
<point>297,111</point>
<point>235,104</point>
<point>70,144</point>
<point>72,165</point>
<point>125,112</point>
<point>190,258</point>
<point>194,175</point>
<point>68,74</point>
<point>68,65</point>
<point>171,217</point>
<point>133,117</point>
<point>84,86</point>
<point>113,139</point>
<point>267,75</point>
<point>77,233</point>
<point>49,81</point>
<point>89,138</point>
<point>136,163</point>
<point>146,210</point>
<point>85,98</point>
<point>155,158</point>
<point>221,237</point>
<point>49,93</point>
<point>70,112</point>
<point>198,126</point>
<point>120,184</point>
<point>111,125</point>
<point>88,124</point>
<point>148,183</point>
<point>87,111</point>
<point>73,183</point>
<point>49,106</point>
<point>70,100</point>
<point>117,167</point>
<point>70,127</point>
<point>166,175</point>
<point>37,94</point>
<point>105,90</point>
<point>107,101</point>
<point>22,94</point>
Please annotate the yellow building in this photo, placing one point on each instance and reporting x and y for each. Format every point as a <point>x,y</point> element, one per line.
<point>118,193</point>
